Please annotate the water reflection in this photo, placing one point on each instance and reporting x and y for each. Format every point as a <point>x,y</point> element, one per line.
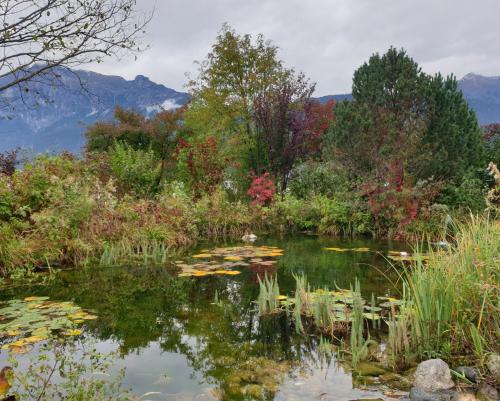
<point>202,339</point>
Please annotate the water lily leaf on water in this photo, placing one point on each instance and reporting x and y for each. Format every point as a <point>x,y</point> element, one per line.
<point>336,249</point>
<point>232,272</point>
<point>267,263</point>
<point>360,249</point>
<point>202,256</point>
<point>233,258</point>
<point>72,333</point>
<point>371,316</point>
<point>390,304</point>
<point>29,299</point>
<point>373,308</point>
<point>13,333</point>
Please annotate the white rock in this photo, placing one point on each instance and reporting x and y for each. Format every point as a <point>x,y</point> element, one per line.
<point>249,238</point>
<point>433,375</point>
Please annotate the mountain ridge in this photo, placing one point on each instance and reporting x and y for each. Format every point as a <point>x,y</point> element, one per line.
<point>53,117</point>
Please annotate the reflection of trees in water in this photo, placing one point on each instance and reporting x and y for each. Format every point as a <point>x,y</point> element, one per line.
<point>226,342</point>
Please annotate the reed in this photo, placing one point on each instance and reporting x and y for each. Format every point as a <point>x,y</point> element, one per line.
<point>268,300</point>
<point>359,346</point>
<point>124,252</point>
<point>452,302</point>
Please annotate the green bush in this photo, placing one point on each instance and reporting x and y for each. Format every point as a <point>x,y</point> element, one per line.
<point>316,178</point>
<point>470,194</point>
<point>136,171</point>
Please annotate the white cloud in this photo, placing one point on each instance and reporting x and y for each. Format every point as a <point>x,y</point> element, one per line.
<point>326,39</point>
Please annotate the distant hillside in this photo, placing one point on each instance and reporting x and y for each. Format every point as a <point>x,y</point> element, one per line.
<point>338,98</point>
<point>52,117</point>
<point>482,93</point>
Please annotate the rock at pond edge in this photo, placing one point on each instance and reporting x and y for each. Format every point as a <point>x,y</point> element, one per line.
<point>433,375</point>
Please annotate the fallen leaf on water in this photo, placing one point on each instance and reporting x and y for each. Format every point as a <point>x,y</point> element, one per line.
<point>202,256</point>
<point>73,332</point>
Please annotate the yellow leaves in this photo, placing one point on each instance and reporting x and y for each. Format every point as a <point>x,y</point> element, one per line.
<point>347,249</point>
<point>335,249</point>
<point>232,272</point>
<point>281,297</point>
<point>224,259</point>
<point>72,332</point>
<point>35,319</point>
<point>202,256</point>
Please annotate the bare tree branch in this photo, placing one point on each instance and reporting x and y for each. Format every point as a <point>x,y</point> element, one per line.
<point>38,35</point>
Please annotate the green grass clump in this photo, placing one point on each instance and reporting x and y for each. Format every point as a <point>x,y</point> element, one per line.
<point>268,300</point>
<point>452,302</point>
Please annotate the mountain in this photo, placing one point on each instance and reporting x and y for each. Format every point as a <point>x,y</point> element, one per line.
<point>483,95</point>
<point>53,114</point>
<point>337,98</point>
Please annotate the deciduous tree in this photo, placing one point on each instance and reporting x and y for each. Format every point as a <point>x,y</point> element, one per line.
<point>38,35</point>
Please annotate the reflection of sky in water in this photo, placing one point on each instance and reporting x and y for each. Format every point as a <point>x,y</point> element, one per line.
<point>170,345</point>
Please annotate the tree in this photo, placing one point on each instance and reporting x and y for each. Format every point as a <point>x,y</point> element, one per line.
<point>492,142</point>
<point>235,73</point>
<point>36,36</point>
<point>403,131</point>
<point>160,133</point>
<point>453,142</point>
<point>291,124</point>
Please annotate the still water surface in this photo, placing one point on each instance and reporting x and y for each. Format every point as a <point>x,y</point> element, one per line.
<point>173,339</point>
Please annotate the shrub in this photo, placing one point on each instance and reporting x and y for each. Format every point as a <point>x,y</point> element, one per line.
<point>315,178</point>
<point>136,171</point>
<point>262,190</point>
<point>200,165</point>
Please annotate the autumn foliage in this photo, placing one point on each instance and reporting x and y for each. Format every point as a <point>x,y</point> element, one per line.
<point>262,190</point>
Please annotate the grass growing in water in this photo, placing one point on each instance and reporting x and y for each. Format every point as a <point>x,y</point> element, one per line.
<point>269,295</point>
<point>453,300</point>
<point>151,252</point>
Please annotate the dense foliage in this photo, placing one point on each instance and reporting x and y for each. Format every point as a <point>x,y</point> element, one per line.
<point>253,151</point>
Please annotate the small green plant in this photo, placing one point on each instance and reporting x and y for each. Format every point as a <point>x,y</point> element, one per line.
<point>359,346</point>
<point>269,292</point>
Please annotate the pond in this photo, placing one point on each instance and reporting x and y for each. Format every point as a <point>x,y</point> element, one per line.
<point>200,338</point>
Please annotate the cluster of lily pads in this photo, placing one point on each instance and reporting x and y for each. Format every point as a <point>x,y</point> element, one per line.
<point>223,261</point>
<point>341,304</point>
<point>34,319</point>
<point>398,256</point>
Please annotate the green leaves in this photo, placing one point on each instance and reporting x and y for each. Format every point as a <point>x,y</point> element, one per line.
<point>35,319</point>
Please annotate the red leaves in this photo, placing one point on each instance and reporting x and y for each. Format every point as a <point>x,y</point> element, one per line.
<point>262,190</point>
<point>203,164</point>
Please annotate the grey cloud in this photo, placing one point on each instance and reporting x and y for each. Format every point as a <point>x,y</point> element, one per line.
<point>326,39</point>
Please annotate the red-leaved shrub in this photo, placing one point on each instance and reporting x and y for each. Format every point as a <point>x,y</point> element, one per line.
<point>262,190</point>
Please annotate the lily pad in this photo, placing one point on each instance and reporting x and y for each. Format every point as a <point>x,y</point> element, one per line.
<point>35,319</point>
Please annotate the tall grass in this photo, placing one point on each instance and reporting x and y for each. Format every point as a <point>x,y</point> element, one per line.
<point>453,301</point>
<point>268,300</point>
<point>359,345</point>
<point>123,252</point>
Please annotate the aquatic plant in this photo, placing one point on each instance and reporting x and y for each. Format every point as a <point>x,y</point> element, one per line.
<point>359,346</point>
<point>454,290</point>
<point>269,295</point>
<point>36,319</point>
<point>124,252</point>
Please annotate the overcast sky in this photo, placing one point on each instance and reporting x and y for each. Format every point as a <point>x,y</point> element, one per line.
<point>326,39</point>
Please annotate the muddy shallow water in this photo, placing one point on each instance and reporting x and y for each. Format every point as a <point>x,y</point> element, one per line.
<point>200,338</point>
